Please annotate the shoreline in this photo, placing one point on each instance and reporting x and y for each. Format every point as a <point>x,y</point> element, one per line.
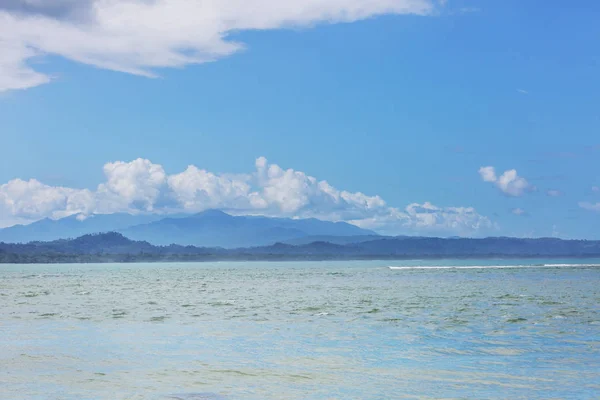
<point>138,259</point>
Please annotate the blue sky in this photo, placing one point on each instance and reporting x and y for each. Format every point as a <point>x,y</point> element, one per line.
<point>404,103</point>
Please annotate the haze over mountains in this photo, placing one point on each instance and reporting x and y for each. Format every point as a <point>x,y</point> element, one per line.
<point>72,227</point>
<point>114,247</point>
<point>216,235</point>
<point>211,228</point>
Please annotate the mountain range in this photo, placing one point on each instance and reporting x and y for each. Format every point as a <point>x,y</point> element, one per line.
<point>72,227</point>
<point>211,228</point>
<point>114,247</point>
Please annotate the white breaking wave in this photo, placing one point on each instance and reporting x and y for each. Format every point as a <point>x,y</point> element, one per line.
<point>570,265</point>
<point>497,266</point>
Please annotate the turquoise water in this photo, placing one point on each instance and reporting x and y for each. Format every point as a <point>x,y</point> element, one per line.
<point>318,330</point>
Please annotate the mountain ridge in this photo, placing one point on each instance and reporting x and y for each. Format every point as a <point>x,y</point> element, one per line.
<point>215,228</point>
<point>114,247</point>
<point>71,227</point>
<point>207,228</point>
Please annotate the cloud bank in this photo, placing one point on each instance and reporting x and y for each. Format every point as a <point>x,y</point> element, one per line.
<point>509,183</point>
<point>141,186</point>
<point>141,36</point>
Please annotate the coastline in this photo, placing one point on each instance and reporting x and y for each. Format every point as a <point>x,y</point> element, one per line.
<point>194,258</point>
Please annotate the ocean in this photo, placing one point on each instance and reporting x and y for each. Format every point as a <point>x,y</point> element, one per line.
<point>444,329</point>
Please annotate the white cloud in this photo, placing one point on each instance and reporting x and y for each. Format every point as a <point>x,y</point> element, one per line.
<point>509,182</point>
<point>427,218</point>
<point>554,193</point>
<point>14,71</point>
<point>197,189</point>
<point>141,36</point>
<point>466,10</point>
<point>488,174</point>
<point>140,186</point>
<point>586,205</point>
<point>136,184</point>
<point>590,206</point>
<point>294,192</point>
<point>31,200</point>
<point>518,211</point>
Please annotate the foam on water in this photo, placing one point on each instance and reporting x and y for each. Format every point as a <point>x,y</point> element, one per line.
<point>530,266</point>
<point>572,265</point>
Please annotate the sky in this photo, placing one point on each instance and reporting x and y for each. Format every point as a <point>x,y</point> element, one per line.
<point>421,117</point>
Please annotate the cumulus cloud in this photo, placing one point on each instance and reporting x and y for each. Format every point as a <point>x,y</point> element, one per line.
<point>294,192</point>
<point>141,186</point>
<point>197,189</point>
<point>31,200</point>
<point>134,184</point>
<point>510,183</point>
<point>488,174</point>
<point>141,36</point>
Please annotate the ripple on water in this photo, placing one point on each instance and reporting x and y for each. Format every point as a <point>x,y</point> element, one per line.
<point>159,318</point>
<point>48,315</point>
<point>194,396</point>
<point>118,313</point>
<point>36,294</point>
<point>297,331</point>
<point>224,303</point>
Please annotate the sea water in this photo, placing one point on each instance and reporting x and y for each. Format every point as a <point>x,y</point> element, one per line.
<point>301,330</point>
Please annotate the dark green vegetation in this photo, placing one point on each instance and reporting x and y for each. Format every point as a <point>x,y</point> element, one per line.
<point>114,247</point>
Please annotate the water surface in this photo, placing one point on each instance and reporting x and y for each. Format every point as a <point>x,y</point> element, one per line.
<point>318,330</point>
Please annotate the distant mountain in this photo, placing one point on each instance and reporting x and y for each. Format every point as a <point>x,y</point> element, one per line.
<point>114,247</point>
<point>332,239</point>
<point>103,247</point>
<point>215,228</point>
<point>72,227</point>
<point>210,228</point>
<point>410,247</point>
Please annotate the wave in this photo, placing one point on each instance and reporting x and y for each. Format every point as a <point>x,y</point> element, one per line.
<point>570,265</point>
<point>496,266</point>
